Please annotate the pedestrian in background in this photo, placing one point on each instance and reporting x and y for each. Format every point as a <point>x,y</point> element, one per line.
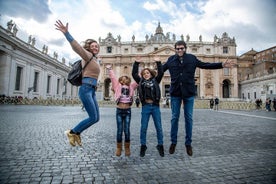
<point>182,68</point>
<point>274,103</point>
<point>88,52</point>
<point>258,104</point>
<point>123,96</point>
<point>150,96</point>
<point>211,103</point>
<point>216,103</point>
<point>268,104</point>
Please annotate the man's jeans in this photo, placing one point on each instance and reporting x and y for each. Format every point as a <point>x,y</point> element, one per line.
<point>188,114</point>
<point>154,110</point>
<point>88,98</point>
<point>123,117</point>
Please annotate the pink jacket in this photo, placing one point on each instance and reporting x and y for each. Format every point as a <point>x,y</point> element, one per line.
<point>117,87</point>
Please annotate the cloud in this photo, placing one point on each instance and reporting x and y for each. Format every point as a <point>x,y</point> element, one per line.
<point>240,19</point>
<point>34,9</point>
<point>251,22</point>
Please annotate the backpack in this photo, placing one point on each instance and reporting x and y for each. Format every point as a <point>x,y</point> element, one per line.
<point>75,75</point>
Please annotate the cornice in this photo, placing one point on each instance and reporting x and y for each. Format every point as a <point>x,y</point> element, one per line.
<point>17,44</point>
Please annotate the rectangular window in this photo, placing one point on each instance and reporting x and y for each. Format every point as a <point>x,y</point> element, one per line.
<point>248,95</point>
<point>18,78</point>
<point>36,78</point>
<point>208,51</point>
<point>226,71</point>
<point>48,84</point>
<point>255,95</point>
<point>225,50</point>
<point>109,50</point>
<point>58,84</point>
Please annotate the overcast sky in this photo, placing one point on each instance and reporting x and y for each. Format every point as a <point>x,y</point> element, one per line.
<point>251,22</point>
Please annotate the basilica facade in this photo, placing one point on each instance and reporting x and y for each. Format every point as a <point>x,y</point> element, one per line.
<point>31,72</point>
<point>210,83</point>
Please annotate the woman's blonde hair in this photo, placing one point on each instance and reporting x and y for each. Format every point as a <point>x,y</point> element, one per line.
<point>87,44</point>
<point>151,71</point>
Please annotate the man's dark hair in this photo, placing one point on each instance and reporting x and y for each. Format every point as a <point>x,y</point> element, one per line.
<point>180,43</point>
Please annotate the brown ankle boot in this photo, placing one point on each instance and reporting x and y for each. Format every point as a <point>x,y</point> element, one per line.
<point>127,148</point>
<point>119,149</point>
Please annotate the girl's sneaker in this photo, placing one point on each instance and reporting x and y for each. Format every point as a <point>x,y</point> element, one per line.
<point>71,137</point>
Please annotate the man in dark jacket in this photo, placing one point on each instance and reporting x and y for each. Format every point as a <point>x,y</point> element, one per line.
<point>182,68</point>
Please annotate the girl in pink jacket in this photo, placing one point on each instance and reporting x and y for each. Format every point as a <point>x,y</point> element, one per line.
<point>123,94</point>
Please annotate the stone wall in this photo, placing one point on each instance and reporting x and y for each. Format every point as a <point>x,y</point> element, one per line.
<point>199,104</point>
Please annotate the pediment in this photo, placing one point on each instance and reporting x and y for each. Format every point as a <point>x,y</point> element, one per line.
<point>167,50</point>
<point>249,54</point>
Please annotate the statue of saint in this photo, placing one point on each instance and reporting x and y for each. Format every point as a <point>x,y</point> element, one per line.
<point>173,37</point>
<point>215,38</point>
<point>10,24</point>
<point>187,38</point>
<point>30,39</point>
<point>33,42</point>
<point>14,30</point>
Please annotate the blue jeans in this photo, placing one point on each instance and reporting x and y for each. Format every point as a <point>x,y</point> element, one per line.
<point>154,110</point>
<point>88,98</point>
<point>123,117</point>
<point>188,114</point>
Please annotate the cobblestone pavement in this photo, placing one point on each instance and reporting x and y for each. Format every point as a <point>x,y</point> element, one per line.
<point>229,147</point>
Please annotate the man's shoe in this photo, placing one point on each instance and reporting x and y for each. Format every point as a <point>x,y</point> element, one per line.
<point>71,137</point>
<point>189,150</point>
<point>78,139</point>
<point>143,150</point>
<point>160,149</point>
<point>172,148</point>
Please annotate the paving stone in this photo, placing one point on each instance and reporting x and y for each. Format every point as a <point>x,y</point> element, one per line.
<point>229,147</point>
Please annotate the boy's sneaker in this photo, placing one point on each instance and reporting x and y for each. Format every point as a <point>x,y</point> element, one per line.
<point>160,149</point>
<point>71,137</point>
<point>143,150</point>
